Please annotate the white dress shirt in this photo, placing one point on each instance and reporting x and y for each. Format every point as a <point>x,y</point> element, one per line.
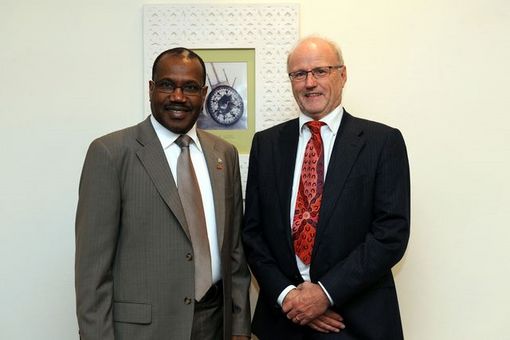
<point>172,152</point>
<point>328,134</point>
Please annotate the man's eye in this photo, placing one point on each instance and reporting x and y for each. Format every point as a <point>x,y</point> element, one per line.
<point>320,71</point>
<point>299,74</point>
<point>191,88</point>
<point>165,84</point>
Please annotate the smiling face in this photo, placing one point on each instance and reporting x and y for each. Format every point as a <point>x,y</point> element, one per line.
<point>177,111</point>
<point>317,97</point>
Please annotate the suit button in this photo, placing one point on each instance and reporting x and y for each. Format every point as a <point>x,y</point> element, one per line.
<point>187,300</point>
<point>189,256</point>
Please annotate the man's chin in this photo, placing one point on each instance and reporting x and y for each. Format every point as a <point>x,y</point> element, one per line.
<point>178,126</point>
<point>314,107</point>
<point>180,129</point>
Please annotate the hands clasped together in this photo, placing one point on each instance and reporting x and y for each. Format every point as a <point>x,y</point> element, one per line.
<point>309,305</point>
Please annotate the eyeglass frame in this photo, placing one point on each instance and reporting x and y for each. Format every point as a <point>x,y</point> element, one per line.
<point>313,71</point>
<point>157,86</point>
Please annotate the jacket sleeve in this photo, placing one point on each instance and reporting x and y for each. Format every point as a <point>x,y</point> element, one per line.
<point>240,274</point>
<point>386,241</point>
<point>261,258</point>
<point>97,229</point>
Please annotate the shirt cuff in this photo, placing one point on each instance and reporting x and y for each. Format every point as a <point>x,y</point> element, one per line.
<point>284,293</point>
<point>327,294</point>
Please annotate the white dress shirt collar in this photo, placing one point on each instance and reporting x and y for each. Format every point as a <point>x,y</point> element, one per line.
<point>332,120</point>
<point>167,137</point>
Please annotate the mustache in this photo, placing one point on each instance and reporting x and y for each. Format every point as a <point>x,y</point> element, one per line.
<point>176,107</point>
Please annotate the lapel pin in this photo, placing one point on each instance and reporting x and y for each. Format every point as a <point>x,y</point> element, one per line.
<point>219,164</point>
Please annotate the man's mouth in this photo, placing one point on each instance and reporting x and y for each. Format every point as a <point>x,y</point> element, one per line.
<point>312,94</point>
<point>176,108</point>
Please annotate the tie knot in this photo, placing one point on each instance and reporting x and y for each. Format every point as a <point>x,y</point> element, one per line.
<point>183,141</point>
<point>315,126</point>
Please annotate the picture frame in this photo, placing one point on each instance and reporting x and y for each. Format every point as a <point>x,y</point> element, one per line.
<point>270,30</point>
<point>230,76</point>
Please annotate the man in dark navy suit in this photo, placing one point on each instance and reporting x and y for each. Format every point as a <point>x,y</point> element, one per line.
<point>327,212</point>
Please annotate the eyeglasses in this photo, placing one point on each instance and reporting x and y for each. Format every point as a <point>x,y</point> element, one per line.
<point>168,86</point>
<point>317,72</point>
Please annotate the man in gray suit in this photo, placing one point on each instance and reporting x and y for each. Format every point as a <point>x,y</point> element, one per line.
<point>136,276</point>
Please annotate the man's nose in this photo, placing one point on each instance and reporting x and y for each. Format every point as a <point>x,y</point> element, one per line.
<point>310,80</point>
<point>177,95</point>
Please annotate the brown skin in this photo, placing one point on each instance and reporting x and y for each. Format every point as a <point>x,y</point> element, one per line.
<point>175,111</point>
<point>316,97</point>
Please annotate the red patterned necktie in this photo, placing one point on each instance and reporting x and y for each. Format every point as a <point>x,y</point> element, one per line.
<point>308,203</point>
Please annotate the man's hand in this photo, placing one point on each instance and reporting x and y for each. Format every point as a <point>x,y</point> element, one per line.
<point>305,303</point>
<point>289,300</point>
<point>330,321</point>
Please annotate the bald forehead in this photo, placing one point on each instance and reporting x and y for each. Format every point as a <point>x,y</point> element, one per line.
<point>316,46</point>
<point>173,56</point>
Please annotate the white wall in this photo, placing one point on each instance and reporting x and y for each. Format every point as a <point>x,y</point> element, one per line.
<point>437,69</point>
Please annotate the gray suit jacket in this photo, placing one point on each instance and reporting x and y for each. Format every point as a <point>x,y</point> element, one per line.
<point>134,269</point>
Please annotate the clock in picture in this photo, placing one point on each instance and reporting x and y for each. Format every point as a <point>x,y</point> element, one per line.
<point>225,104</point>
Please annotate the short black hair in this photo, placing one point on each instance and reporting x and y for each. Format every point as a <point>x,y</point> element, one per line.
<point>182,51</point>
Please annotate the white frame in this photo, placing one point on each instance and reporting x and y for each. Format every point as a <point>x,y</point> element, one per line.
<point>270,29</point>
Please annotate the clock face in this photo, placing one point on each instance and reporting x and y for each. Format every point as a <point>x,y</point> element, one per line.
<point>225,105</point>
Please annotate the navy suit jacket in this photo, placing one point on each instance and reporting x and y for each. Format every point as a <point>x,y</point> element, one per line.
<point>362,232</point>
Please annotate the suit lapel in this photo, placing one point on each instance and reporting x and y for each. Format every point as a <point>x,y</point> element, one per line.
<point>216,167</point>
<point>284,158</point>
<point>154,160</point>
<point>348,143</point>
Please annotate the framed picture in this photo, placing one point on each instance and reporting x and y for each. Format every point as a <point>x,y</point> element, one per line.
<point>229,108</point>
<point>256,36</point>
